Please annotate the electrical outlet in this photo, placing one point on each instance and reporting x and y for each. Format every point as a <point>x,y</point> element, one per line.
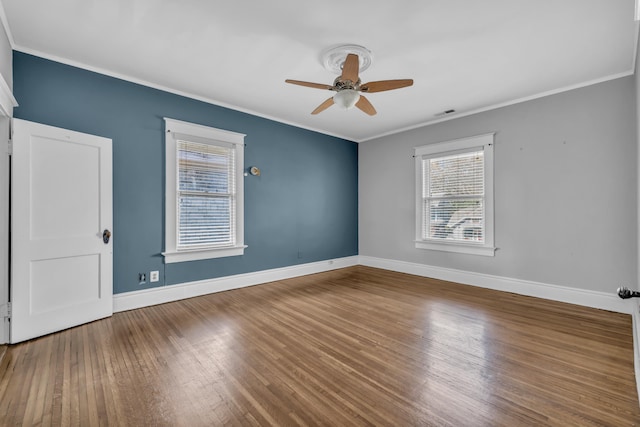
<point>142,278</point>
<point>154,276</point>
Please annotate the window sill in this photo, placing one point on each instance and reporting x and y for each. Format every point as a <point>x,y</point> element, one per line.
<point>463,248</point>
<point>198,254</point>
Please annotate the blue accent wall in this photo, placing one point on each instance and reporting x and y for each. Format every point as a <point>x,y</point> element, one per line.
<point>303,208</point>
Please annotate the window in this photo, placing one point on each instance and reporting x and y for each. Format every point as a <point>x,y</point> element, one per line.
<point>454,196</point>
<point>204,192</point>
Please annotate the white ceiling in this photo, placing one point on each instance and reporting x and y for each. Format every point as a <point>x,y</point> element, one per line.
<point>465,55</point>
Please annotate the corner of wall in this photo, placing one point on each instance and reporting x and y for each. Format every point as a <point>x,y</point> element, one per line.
<point>7,101</point>
<point>636,345</point>
<point>6,48</point>
<point>636,312</point>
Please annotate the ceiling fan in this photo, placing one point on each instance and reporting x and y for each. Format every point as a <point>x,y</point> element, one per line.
<point>349,87</point>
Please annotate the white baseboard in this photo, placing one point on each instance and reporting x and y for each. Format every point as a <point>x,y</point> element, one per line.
<point>161,295</point>
<point>583,297</point>
<point>601,300</point>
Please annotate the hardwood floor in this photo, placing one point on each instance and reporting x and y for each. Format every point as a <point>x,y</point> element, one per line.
<point>357,346</point>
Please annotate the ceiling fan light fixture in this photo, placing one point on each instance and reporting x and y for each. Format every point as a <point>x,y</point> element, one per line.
<point>346,98</point>
<point>348,85</point>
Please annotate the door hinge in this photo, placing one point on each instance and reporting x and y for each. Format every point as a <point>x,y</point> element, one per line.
<point>9,147</point>
<point>5,310</point>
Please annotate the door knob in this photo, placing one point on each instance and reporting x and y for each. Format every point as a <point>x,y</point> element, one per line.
<point>106,235</point>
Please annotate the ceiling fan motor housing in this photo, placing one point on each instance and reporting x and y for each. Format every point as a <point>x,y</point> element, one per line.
<point>340,84</point>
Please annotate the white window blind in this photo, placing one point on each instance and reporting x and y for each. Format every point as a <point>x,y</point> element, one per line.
<point>453,199</point>
<point>206,195</point>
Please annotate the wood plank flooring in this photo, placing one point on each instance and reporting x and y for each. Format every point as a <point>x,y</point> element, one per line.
<point>358,346</point>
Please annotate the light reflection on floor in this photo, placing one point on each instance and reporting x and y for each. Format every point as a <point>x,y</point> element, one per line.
<point>447,341</point>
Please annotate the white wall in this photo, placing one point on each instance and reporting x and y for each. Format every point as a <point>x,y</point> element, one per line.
<point>566,190</point>
<point>636,311</point>
<point>6,55</point>
<point>6,109</point>
<point>637,118</point>
<point>7,101</point>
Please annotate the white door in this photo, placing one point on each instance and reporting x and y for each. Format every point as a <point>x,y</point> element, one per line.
<point>61,205</point>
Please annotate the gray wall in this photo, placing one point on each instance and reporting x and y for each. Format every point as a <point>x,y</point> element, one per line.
<point>6,56</point>
<point>566,190</point>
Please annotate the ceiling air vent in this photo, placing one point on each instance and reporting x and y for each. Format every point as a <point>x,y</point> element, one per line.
<point>446,113</point>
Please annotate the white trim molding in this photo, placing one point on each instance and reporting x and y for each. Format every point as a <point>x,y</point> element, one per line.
<point>147,297</point>
<point>233,143</point>
<point>423,197</point>
<point>7,100</point>
<point>594,299</point>
<point>601,300</point>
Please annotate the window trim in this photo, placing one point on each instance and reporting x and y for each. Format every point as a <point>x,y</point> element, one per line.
<point>486,143</point>
<point>174,130</point>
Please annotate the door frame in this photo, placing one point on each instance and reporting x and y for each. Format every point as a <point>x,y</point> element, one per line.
<point>5,161</point>
<point>7,103</point>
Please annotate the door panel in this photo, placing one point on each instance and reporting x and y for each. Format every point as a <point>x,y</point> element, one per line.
<point>82,287</point>
<point>61,203</point>
<point>74,168</point>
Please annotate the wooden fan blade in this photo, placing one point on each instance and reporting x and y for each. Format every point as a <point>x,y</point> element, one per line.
<point>350,68</point>
<point>383,85</point>
<point>326,104</point>
<point>364,104</point>
<point>308,84</point>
